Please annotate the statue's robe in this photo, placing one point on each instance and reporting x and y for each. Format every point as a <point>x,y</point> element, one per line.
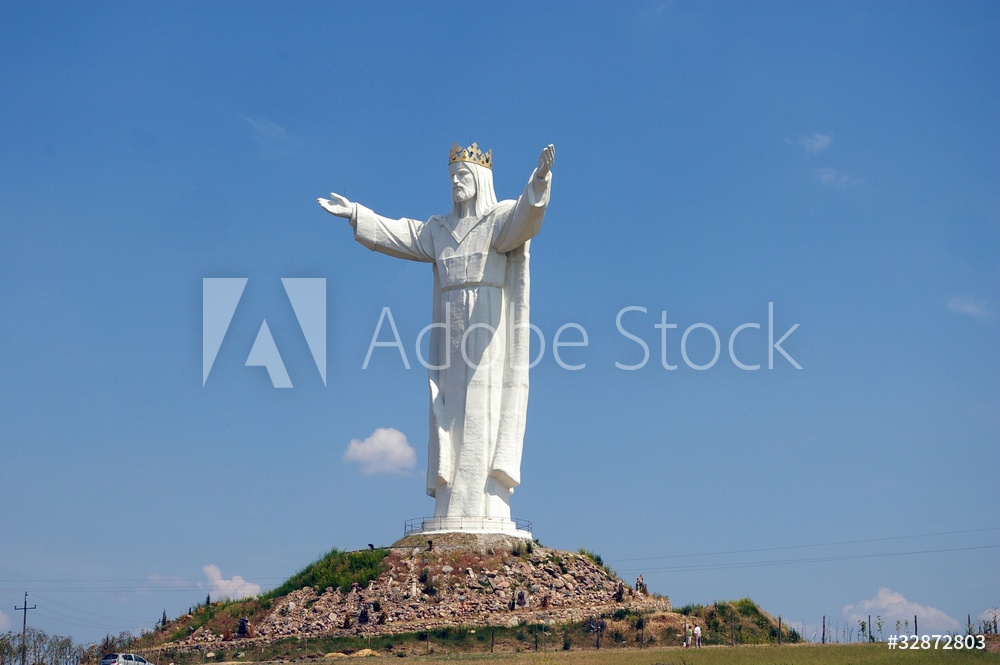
<point>478,352</point>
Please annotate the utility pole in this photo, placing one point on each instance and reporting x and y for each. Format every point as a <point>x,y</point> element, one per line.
<point>24,629</point>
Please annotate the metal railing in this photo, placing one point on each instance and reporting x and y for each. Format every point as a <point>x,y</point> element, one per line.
<point>472,524</point>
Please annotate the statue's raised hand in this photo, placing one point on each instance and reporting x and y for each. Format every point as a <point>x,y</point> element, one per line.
<point>545,160</point>
<point>337,205</point>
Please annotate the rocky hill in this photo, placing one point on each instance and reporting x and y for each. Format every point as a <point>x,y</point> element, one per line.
<point>458,579</point>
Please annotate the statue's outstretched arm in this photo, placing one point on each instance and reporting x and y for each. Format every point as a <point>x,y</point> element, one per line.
<point>337,205</point>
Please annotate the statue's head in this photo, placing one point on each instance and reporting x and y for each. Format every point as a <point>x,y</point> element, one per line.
<point>471,177</point>
<point>463,182</point>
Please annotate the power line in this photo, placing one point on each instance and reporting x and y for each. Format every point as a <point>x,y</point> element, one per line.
<point>782,562</point>
<point>81,623</point>
<point>78,610</point>
<point>795,547</point>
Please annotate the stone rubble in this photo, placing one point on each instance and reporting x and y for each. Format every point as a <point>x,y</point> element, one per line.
<point>421,589</point>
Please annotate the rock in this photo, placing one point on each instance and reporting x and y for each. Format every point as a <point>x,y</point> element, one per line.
<point>446,569</point>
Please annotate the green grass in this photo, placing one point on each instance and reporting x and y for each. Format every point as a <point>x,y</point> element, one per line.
<point>801,654</point>
<point>336,569</point>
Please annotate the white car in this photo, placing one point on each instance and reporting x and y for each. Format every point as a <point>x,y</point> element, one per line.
<point>124,659</point>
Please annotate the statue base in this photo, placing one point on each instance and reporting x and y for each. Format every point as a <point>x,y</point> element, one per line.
<point>432,525</point>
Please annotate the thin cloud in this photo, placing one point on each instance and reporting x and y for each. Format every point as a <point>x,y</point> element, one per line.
<point>234,588</point>
<point>834,178</point>
<point>267,133</point>
<point>385,451</point>
<point>892,606</point>
<point>656,8</point>
<point>815,143</point>
<point>979,309</point>
<point>5,622</point>
<point>158,582</point>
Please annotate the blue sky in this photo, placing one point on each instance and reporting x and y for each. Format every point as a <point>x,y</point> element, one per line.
<point>834,163</point>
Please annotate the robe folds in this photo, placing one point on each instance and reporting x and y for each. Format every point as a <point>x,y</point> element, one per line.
<point>478,352</point>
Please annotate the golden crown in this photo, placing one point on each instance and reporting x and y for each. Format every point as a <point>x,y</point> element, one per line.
<point>471,154</point>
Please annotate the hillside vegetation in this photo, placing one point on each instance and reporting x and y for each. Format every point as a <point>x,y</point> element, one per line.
<point>738,622</point>
<point>723,623</point>
<point>336,569</point>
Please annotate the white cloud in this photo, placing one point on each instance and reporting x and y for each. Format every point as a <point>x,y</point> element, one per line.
<point>893,607</point>
<point>5,622</point>
<point>970,307</point>
<point>385,451</point>
<point>234,588</point>
<point>815,143</point>
<point>834,178</point>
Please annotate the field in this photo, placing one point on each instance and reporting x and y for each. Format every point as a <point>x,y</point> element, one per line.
<point>804,654</point>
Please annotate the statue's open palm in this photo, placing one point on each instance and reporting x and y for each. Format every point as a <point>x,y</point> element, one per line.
<point>337,205</point>
<point>546,159</point>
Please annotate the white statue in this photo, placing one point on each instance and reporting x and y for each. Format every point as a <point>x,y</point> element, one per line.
<point>478,354</point>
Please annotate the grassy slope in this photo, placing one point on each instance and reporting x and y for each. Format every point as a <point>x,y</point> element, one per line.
<point>801,654</point>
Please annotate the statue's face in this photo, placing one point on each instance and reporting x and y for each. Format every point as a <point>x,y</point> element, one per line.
<point>463,182</point>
